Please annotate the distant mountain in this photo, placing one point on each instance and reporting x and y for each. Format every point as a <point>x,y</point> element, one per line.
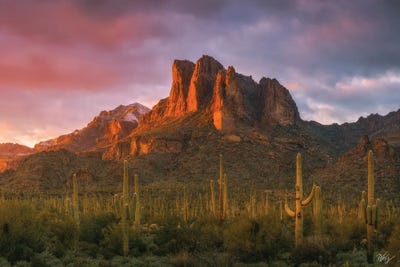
<point>214,110</point>
<point>107,127</point>
<point>346,136</point>
<point>349,172</point>
<point>10,151</point>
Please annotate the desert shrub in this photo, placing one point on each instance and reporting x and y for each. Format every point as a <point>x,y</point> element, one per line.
<point>353,258</point>
<point>91,227</point>
<point>4,262</point>
<point>345,236</point>
<point>313,250</point>
<point>175,237</point>
<point>22,264</point>
<point>393,246</point>
<point>210,236</point>
<point>112,242</point>
<point>45,259</point>
<point>61,232</point>
<point>256,239</point>
<point>385,232</point>
<point>20,235</point>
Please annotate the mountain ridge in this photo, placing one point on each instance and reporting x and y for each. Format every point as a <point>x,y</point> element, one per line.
<point>214,110</point>
<point>108,126</point>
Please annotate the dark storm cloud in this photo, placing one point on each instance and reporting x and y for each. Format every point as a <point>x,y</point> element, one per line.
<point>109,9</point>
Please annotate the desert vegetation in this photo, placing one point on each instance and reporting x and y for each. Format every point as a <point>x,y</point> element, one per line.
<point>214,223</point>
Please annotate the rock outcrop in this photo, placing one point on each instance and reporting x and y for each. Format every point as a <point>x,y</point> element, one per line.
<point>277,104</point>
<point>228,97</point>
<point>143,145</point>
<point>182,71</point>
<point>202,83</point>
<point>106,128</point>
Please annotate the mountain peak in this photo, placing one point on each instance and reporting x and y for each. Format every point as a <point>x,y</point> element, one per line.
<point>227,96</point>
<point>108,127</point>
<point>202,82</point>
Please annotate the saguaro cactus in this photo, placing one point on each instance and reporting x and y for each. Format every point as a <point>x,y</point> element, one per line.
<point>212,200</point>
<point>137,202</point>
<point>317,210</point>
<point>266,202</point>
<point>75,199</point>
<point>225,207</point>
<point>125,211</point>
<point>370,209</point>
<point>300,202</point>
<point>185,206</point>
<point>221,189</point>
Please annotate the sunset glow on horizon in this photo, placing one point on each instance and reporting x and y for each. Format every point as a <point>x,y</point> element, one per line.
<point>62,62</point>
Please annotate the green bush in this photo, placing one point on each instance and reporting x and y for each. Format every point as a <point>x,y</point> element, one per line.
<point>112,242</point>
<point>61,232</point>
<point>92,227</point>
<point>253,240</point>
<point>45,259</point>
<point>313,250</point>
<point>393,246</point>
<point>21,235</point>
<point>175,237</point>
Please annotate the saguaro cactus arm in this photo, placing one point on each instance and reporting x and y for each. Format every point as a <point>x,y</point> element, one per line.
<point>289,212</point>
<point>362,208</point>
<point>307,201</point>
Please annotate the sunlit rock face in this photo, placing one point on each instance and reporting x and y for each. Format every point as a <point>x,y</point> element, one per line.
<point>229,97</point>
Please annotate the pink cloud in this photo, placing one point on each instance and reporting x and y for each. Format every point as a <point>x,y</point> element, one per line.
<point>63,23</point>
<point>55,44</point>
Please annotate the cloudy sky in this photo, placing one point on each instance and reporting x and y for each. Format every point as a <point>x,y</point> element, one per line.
<point>63,61</point>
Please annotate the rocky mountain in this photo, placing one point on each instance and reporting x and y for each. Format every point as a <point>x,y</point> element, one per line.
<point>207,95</point>
<point>214,110</point>
<point>106,128</point>
<point>229,97</point>
<point>346,136</point>
<point>9,152</point>
<point>349,172</point>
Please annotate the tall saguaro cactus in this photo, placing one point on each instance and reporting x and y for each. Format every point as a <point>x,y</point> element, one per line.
<point>185,206</point>
<point>317,210</point>
<point>137,202</point>
<point>212,198</point>
<point>221,189</point>
<point>225,207</point>
<point>75,199</point>
<point>300,202</point>
<point>125,211</point>
<point>369,210</point>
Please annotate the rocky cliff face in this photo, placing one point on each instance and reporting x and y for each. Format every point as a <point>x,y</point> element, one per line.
<point>205,93</point>
<point>182,71</point>
<point>277,104</point>
<point>228,97</point>
<point>106,128</point>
